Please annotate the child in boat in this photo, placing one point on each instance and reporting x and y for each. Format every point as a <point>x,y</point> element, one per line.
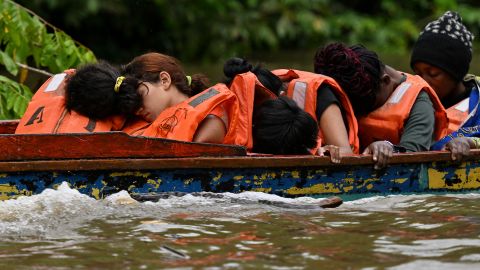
<point>442,55</point>
<point>392,108</point>
<point>280,125</point>
<point>155,87</point>
<point>47,112</point>
<point>324,99</point>
<point>268,124</point>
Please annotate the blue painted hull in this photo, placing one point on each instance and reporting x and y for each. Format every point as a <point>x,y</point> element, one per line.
<point>301,180</point>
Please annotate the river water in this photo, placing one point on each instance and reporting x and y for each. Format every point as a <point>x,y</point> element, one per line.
<point>63,229</point>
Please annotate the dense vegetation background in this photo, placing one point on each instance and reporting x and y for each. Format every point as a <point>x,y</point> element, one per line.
<point>203,33</point>
<point>207,30</point>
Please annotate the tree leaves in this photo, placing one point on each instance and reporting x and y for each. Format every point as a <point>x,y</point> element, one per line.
<point>29,40</point>
<point>14,98</point>
<point>8,62</point>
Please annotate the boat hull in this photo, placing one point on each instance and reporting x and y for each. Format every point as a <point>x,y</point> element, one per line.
<point>100,164</point>
<point>358,180</point>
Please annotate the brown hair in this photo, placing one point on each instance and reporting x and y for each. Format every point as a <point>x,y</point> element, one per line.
<point>91,91</point>
<point>147,67</point>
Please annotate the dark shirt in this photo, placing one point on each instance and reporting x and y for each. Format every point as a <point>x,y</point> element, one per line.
<point>453,101</point>
<point>419,127</point>
<point>325,98</point>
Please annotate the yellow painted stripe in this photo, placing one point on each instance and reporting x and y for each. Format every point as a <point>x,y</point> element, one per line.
<point>466,181</point>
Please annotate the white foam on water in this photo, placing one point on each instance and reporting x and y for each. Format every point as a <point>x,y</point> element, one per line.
<point>159,227</point>
<point>425,248</point>
<point>425,226</point>
<point>341,223</point>
<point>392,203</point>
<point>120,198</point>
<point>50,213</point>
<point>242,247</point>
<point>430,264</point>
<point>229,219</point>
<point>310,256</point>
<point>232,265</point>
<point>274,267</point>
<point>464,196</point>
<point>471,257</point>
<point>59,213</point>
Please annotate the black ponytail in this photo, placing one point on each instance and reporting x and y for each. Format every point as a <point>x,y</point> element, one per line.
<point>235,66</point>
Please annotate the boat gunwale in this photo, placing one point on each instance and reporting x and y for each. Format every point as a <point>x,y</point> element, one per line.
<point>223,162</point>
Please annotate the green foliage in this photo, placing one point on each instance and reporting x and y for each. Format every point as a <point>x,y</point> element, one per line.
<point>14,98</point>
<point>25,40</point>
<point>208,30</point>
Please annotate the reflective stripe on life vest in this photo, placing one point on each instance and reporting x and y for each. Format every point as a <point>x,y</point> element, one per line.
<point>180,122</point>
<point>387,122</point>
<point>303,89</point>
<point>457,114</point>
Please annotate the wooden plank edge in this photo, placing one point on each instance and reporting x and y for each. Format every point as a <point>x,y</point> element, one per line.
<point>103,145</point>
<point>8,126</point>
<point>218,162</point>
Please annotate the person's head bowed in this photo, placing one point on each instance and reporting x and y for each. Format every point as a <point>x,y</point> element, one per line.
<point>445,43</point>
<point>442,55</point>
<point>357,70</point>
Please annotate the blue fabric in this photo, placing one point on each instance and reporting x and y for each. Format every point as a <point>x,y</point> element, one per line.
<point>471,127</point>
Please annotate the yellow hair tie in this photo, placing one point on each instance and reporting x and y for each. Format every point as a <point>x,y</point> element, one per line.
<point>118,83</point>
<point>189,80</point>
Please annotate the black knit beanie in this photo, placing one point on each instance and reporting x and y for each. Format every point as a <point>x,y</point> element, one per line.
<point>445,43</point>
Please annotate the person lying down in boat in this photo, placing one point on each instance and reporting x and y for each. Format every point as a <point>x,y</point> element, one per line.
<point>47,112</point>
<point>327,103</point>
<point>280,125</point>
<point>154,87</point>
<point>387,113</point>
<point>268,123</point>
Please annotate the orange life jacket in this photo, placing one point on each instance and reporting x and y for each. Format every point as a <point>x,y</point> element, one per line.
<point>387,122</point>
<point>250,93</point>
<point>457,114</point>
<point>180,122</point>
<point>46,112</point>
<point>135,126</point>
<point>303,88</point>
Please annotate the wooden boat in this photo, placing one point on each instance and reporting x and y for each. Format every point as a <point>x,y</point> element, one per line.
<point>104,163</point>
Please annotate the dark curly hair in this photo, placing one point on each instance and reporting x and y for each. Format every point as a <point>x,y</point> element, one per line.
<point>90,92</point>
<point>356,69</point>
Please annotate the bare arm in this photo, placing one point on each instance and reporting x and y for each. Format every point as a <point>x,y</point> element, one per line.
<point>334,130</point>
<point>211,130</point>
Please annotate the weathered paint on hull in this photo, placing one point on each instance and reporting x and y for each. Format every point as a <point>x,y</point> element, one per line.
<point>358,181</point>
